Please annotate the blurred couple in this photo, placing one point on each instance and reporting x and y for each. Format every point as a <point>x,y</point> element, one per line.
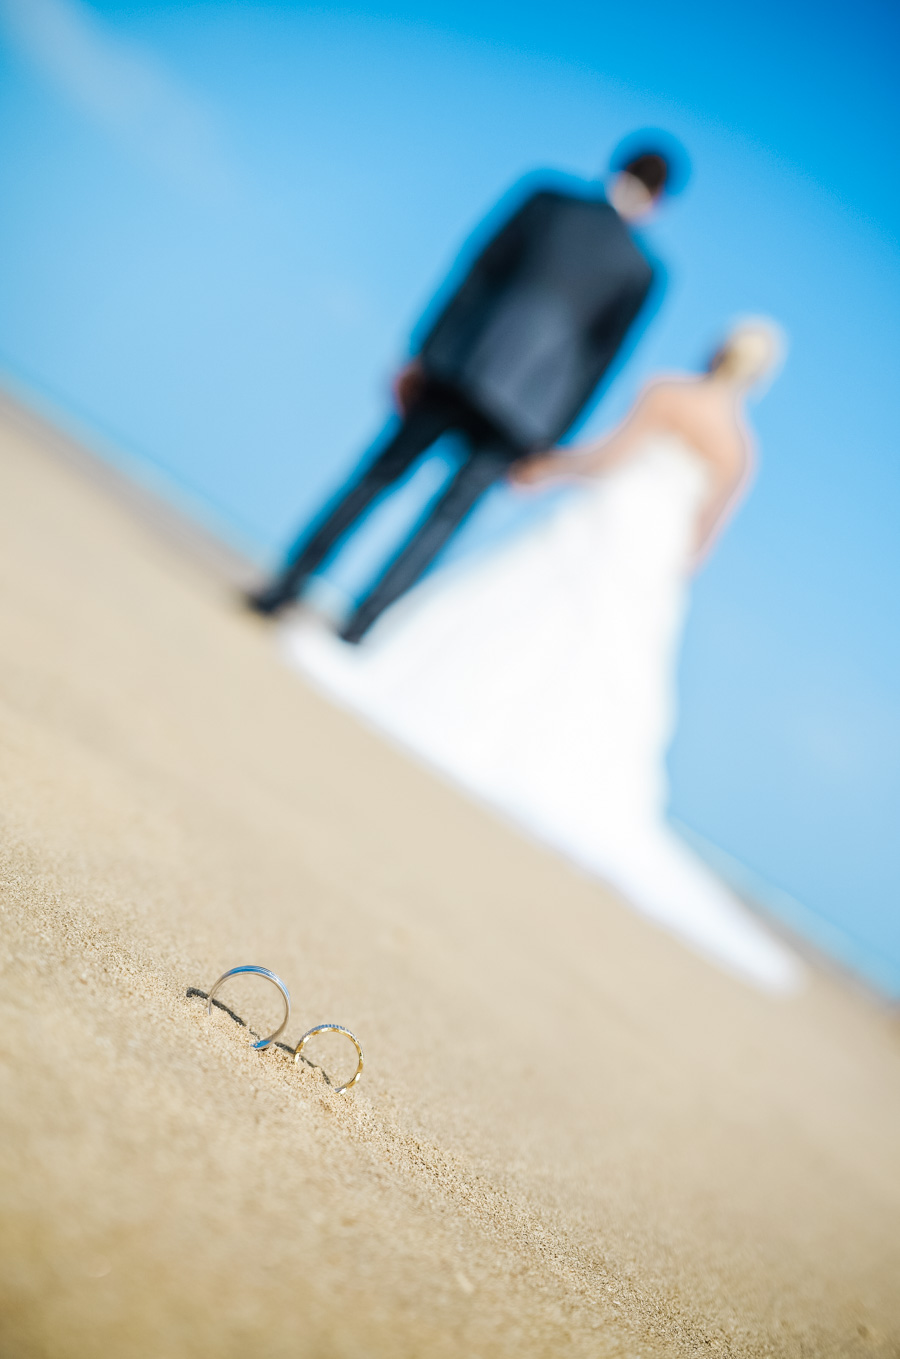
<point>541,677</point>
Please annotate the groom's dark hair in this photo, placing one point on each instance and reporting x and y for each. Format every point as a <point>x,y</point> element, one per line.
<point>651,169</point>
<point>654,157</point>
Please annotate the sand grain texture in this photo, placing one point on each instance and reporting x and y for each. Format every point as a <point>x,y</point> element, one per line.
<point>572,1138</point>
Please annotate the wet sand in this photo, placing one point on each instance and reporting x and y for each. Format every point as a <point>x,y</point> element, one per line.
<point>572,1137</point>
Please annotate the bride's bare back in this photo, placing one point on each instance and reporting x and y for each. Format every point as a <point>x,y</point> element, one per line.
<point>705,412</point>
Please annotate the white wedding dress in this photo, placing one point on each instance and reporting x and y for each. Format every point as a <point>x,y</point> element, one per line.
<point>541,679</point>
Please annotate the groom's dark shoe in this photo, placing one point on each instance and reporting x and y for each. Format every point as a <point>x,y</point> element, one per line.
<point>352,632</point>
<point>270,600</point>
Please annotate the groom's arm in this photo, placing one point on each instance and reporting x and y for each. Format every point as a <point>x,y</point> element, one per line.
<point>491,267</point>
<point>617,328</point>
<point>494,263</point>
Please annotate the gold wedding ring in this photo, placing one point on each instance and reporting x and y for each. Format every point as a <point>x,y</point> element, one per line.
<point>334,1028</point>
<point>285,996</point>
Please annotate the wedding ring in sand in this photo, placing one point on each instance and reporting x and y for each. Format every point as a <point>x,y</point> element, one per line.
<point>334,1028</point>
<point>276,981</point>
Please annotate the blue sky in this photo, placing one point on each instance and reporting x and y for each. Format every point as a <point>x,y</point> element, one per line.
<point>220,223</point>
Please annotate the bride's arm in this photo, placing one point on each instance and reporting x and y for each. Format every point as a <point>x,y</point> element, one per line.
<point>594,458</point>
<point>731,484</point>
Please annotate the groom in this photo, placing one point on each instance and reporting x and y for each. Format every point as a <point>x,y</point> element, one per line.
<point>511,360</point>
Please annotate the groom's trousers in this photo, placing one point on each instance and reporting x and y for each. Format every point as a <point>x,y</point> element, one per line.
<point>438,411</point>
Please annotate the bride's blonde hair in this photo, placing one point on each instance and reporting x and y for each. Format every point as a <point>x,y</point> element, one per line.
<point>752,351</point>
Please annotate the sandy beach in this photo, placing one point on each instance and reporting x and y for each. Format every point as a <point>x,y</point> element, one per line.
<point>573,1137</point>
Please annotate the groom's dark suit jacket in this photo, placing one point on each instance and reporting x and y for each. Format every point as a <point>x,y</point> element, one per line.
<point>540,315</point>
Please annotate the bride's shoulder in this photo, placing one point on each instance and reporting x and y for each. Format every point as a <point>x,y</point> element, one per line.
<point>684,405</point>
<point>669,395</point>
<point>672,384</point>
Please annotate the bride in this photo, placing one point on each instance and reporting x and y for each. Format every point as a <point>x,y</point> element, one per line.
<point>541,677</point>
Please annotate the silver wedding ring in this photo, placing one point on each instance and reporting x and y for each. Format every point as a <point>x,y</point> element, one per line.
<point>269,976</point>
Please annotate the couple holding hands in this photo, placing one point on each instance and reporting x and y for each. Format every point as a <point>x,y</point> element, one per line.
<point>541,676</point>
